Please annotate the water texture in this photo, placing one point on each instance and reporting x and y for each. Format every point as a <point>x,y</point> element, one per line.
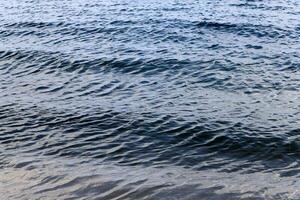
<point>150,99</point>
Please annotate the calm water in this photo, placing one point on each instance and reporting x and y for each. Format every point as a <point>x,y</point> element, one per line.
<point>119,99</point>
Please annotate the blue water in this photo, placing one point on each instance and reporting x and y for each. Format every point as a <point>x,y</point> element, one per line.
<point>150,99</point>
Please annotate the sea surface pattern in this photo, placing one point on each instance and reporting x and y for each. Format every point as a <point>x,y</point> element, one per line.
<point>150,99</point>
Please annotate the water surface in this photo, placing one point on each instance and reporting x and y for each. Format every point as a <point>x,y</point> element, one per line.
<point>149,99</point>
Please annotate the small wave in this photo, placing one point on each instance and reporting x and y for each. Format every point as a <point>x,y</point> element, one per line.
<point>82,135</point>
<point>56,60</point>
<point>247,29</point>
<point>33,24</point>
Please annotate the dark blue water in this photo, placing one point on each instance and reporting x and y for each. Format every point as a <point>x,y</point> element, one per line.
<point>150,99</point>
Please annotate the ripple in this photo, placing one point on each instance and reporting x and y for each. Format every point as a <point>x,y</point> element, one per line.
<point>141,100</point>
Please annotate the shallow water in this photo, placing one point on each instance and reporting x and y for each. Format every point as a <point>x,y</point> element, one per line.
<point>149,100</point>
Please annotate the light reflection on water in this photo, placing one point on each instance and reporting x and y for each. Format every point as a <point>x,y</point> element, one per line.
<point>147,99</point>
